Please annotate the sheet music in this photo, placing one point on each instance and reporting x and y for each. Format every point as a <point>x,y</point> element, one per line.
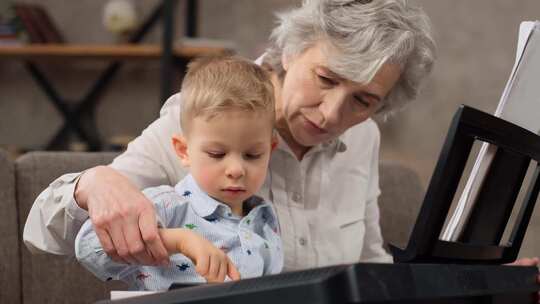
<point>123,294</point>
<point>519,104</point>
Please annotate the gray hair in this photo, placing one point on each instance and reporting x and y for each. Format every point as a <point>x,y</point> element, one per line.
<point>365,34</point>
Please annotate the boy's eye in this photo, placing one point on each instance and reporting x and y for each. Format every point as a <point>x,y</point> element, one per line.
<point>253,156</point>
<point>326,80</point>
<point>215,154</point>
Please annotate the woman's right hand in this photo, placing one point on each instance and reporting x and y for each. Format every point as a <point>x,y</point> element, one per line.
<point>123,218</point>
<point>211,263</point>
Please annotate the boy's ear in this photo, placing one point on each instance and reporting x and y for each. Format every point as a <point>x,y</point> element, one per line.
<point>284,61</point>
<point>275,141</point>
<point>179,143</point>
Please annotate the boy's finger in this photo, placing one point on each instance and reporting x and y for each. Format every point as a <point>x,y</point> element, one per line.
<point>202,263</point>
<point>222,271</point>
<point>232,272</point>
<point>213,269</point>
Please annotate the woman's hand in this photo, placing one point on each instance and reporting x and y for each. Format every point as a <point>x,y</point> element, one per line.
<point>210,262</point>
<point>123,218</point>
<point>529,262</point>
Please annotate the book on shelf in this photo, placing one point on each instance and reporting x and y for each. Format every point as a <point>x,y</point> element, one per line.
<point>37,23</point>
<point>48,28</point>
<point>30,27</point>
<point>11,31</point>
<point>519,104</point>
<point>8,35</point>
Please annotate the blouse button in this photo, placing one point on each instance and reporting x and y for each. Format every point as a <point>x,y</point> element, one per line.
<point>302,241</point>
<point>297,197</point>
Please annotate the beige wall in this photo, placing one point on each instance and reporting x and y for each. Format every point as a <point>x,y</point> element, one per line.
<point>476,41</point>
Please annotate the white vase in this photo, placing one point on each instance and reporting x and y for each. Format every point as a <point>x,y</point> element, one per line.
<point>120,17</point>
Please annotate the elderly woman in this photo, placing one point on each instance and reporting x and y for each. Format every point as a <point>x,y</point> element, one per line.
<point>334,64</point>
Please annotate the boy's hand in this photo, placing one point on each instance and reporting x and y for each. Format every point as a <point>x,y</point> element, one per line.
<point>210,262</point>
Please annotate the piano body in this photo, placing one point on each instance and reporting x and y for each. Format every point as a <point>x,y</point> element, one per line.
<point>428,270</point>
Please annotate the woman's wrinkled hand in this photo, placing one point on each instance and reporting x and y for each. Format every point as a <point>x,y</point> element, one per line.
<point>123,218</point>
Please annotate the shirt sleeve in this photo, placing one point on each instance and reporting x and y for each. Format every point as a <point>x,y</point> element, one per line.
<point>373,251</point>
<point>170,208</point>
<point>55,217</point>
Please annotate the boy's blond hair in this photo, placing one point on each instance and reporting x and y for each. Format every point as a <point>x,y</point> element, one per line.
<point>216,84</point>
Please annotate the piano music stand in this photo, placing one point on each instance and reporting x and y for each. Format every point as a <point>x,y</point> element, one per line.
<point>482,233</point>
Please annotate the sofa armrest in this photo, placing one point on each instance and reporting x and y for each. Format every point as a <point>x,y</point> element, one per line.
<point>10,267</point>
<point>48,278</point>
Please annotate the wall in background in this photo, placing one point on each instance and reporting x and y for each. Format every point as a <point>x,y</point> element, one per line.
<point>476,49</point>
<point>476,43</point>
<point>132,101</point>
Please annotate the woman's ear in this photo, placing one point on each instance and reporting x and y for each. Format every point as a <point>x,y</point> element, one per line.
<point>180,146</point>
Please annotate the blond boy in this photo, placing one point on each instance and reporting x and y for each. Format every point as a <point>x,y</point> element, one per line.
<point>213,224</point>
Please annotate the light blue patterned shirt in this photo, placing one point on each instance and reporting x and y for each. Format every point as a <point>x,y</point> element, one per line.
<point>252,243</point>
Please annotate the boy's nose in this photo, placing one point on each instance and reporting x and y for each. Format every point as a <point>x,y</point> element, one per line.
<point>235,170</point>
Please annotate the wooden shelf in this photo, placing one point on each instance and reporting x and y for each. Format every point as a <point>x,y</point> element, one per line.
<point>108,52</point>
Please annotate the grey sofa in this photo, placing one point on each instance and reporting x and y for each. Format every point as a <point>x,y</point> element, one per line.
<point>48,278</point>
<point>10,275</point>
<point>27,278</point>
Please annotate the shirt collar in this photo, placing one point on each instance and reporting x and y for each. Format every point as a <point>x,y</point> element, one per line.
<point>256,205</point>
<point>336,144</point>
<point>204,204</point>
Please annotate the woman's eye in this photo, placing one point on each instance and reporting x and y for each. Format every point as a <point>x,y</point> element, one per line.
<point>327,80</point>
<point>215,154</point>
<point>362,102</point>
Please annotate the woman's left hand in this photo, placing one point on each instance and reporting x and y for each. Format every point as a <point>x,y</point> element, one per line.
<point>529,262</point>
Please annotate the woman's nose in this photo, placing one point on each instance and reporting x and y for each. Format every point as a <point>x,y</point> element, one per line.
<point>331,109</point>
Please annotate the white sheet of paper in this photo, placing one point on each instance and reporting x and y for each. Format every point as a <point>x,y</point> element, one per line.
<point>122,294</point>
<point>519,104</point>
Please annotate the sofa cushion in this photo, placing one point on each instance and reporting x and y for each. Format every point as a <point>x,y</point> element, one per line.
<point>49,278</point>
<point>10,275</point>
